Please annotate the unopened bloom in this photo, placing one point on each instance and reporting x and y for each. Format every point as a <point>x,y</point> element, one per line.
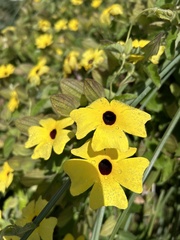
<point>96,3</point>
<point>92,58</point>
<point>71,62</point>
<point>105,171</point>
<point>37,71</point>
<point>113,10</point>
<point>44,41</point>
<point>6,176</point>
<point>13,102</point>
<point>61,25</point>
<point>73,24</point>
<point>44,25</point>
<point>6,70</point>
<point>76,2</point>
<point>45,229</point>
<point>69,236</point>
<point>50,135</point>
<point>110,120</point>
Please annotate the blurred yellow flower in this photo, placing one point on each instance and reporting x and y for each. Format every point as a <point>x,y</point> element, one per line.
<point>44,25</point>
<point>59,51</point>
<point>6,70</point>
<point>96,3</point>
<point>71,63</point>
<point>45,229</point>
<point>142,43</point>
<point>113,10</point>
<point>13,102</point>
<point>6,176</point>
<point>69,236</point>
<point>106,171</point>
<point>50,135</point>
<point>110,120</point>
<point>76,2</point>
<point>44,41</point>
<point>61,25</point>
<point>92,58</point>
<point>73,24</point>
<point>37,71</point>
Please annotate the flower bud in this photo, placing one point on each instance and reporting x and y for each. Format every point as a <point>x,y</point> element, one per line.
<point>93,90</point>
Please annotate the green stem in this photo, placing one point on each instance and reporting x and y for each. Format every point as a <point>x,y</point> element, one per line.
<point>158,150</point>
<point>98,224</point>
<point>48,207</point>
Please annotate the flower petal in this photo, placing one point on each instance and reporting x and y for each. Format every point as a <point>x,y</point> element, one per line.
<point>46,228</point>
<point>129,119</point>
<point>89,118</point>
<point>36,135</point>
<point>109,137</point>
<point>42,150</point>
<point>130,172</point>
<point>61,139</point>
<point>63,123</point>
<point>108,193</point>
<point>82,175</point>
<point>48,123</point>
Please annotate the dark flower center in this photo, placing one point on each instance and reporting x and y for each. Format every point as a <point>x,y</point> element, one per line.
<point>105,167</point>
<point>53,133</point>
<point>109,118</point>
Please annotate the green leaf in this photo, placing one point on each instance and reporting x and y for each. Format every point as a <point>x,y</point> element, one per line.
<point>152,72</point>
<point>170,42</point>
<point>8,146</point>
<point>38,107</point>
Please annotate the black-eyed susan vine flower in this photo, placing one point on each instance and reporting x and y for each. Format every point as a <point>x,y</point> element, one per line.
<point>50,135</point>
<point>61,24</point>
<point>73,24</point>
<point>13,102</point>
<point>71,63</point>
<point>110,120</point>
<point>77,2</point>
<point>107,171</point>
<point>113,10</point>
<point>96,3</point>
<point>44,25</point>
<point>45,229</point>
<point>6,70</point>
<point>134,58</point>
<point>92,58</point>
<point>44,41</point>
<point>37,71</point>
<point>6,176</point>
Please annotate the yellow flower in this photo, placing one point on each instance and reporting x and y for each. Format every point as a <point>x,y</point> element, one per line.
<point>70,237</point>
<point>6,177</point>
<point>105,171</point>
<point>96,3</point>
<point>6,70</point>
<point>71,62</point>
<point>76,2</point>
<point>37,71</point>
<point>44,41</point>
<point>61,25</point>
<point>73,24</point>
<point>59,51</point>
<point>140,44</point>
<point>45,229</point>
<point>92,58</point>
<point>109,120</point>
<point>44,25</point>
<point>13,102</point>
<point>51,134</point>
<point>113,10</point>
